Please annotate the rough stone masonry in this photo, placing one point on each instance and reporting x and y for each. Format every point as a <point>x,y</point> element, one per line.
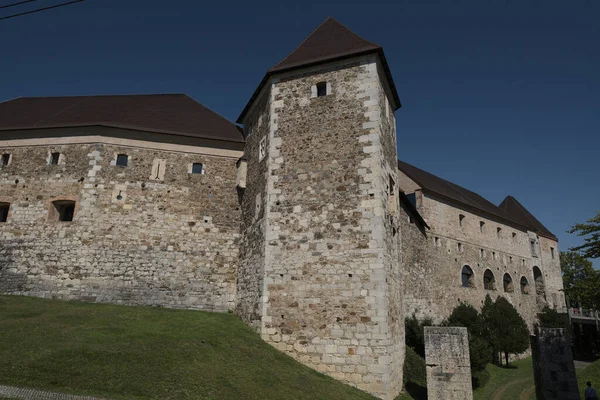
<point>448,364</point>
<point>303,222</point>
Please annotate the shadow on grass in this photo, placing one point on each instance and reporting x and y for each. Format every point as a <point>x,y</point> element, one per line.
<point>417,392</point>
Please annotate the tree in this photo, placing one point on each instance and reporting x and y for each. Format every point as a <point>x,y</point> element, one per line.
<point>479,349</point>
<point>591,246</point>
<point>506,329</point>
<point>414,334</point>
<point>550,318</point>
<point>581,281</point>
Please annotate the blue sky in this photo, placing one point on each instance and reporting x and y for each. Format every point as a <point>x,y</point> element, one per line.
<point>502,97</point>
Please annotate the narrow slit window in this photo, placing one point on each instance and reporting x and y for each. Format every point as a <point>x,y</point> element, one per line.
<point>5,160</point>
<point>436,242</point>
<point>498,232</point>
<point>552,252</point>
<point>459,247</point>
<point>54,158</point>
<point>197,168</point>
<point>461,219</point>
<point>321,89</point>
<point>122,160</point>
<point>4,207</point>
<point>481,226</point>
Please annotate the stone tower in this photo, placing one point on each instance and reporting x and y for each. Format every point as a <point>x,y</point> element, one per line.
<point>319,274</point>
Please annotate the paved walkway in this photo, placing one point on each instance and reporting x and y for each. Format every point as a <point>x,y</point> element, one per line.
<point>12,392</point>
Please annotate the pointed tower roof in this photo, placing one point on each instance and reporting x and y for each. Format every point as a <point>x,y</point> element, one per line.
<point>329,42</point>
<point>512,207</point>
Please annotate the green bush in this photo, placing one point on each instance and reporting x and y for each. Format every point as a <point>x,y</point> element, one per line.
<point>480,378</point>
<point>415,337</point>
<point>414,368</point>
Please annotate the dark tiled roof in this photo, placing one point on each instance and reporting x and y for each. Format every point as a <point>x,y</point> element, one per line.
<point>511,206</point>
<point>330,41</point>
<point>175,114</point>
<point>449,190</point>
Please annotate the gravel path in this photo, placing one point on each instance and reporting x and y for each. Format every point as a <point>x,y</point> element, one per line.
<point>12,392</point>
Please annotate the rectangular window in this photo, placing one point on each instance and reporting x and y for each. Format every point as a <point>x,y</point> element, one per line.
<point>514,237</point>
<point>64,210</point>
<point>493,255</point>
<point>412,198</point>
<point>321,89</point>
<point>4,207</point>
<point>498,232</point>
<point>461,219</point>
<point>481,253</point>
<point>533,248</point>
<point>436,242</point>
<point>459,247</point>
<point>552,252</point>
<point>122,160</point>
<point>481,226</point>
<point>5,160</point>
<point>54,158</point>
<point>197,168</point>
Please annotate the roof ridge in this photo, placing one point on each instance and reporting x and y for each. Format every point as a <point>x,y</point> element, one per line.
<point>211,110</point>
<point>303,41</point>
<point>99,95</point>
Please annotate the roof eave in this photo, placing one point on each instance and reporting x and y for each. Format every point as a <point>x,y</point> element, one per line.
<point>121,126</point>
<point>273,71</point>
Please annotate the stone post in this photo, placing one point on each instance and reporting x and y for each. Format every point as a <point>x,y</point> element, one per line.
<point>448,363</point>
<point>553,367</point>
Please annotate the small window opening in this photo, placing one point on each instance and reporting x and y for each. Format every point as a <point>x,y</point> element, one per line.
<point>510,259</point>
<point>65,210</point>
<point>552,252</point>
<point>514,237</point>
<point>461,219</point>
<point>459,247</point>
<point>321,89</point>
<point>5,159</point>
<point>489,282</point>
<point>493,255</point>
<point>533,247</point>
<point>197,168</point>
<point>481,253</point>
<point>262,149</point>
<point>436,241</point>
<point>412,198</point>
<point>467,277</point>
<point>122,160</point>
<point>524,285</point>
<point>54,157</point>
<point>481,226</point>
<point>507,283</point>
<point>498,232</point>
<point>4,207</point>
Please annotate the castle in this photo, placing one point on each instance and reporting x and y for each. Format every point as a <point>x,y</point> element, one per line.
<point>304,223</point>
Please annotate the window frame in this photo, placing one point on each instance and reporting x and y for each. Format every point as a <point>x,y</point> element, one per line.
<point>5,159</point>
<point>321,89</point>
<point>4,211</point>
<point>54,158</point>
<point>121,157</point>
<point>194,165</point>
<point>61,208</point>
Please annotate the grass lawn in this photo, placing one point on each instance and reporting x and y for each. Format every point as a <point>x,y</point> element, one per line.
<point>148,353</point>
<point>590,373</point>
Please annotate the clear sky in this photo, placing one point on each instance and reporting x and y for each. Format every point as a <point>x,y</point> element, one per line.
<point>501,97</point>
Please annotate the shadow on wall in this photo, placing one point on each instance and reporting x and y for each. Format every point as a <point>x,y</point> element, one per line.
<point>416,391</point>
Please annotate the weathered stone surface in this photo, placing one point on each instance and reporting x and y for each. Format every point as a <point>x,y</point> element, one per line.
<point>553,367</point>
<point>170,242</point>
<point>448,363</point>
<point>434,260</point>
<point>320,214</point>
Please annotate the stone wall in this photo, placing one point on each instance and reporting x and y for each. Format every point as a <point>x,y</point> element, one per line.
<point>554,370</point>
<point>139,235</point>
<point>329,245</point>
<point>448,363</point>
<point>252,249</point>
<point>437,262</point>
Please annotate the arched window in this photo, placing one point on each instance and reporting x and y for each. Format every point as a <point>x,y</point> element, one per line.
<point>524,285</point>
<point>122,160</point>
<point>507,283</point>
<point>467,277</point>
<point>489,282</point>
<point>540,290</point>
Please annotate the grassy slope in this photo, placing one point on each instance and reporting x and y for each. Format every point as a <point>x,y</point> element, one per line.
<point>590,373</point>
<point>143,352</point>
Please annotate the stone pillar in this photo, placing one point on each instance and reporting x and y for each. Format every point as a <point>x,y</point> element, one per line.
<point>553,367</point>
<point>448,363</point>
